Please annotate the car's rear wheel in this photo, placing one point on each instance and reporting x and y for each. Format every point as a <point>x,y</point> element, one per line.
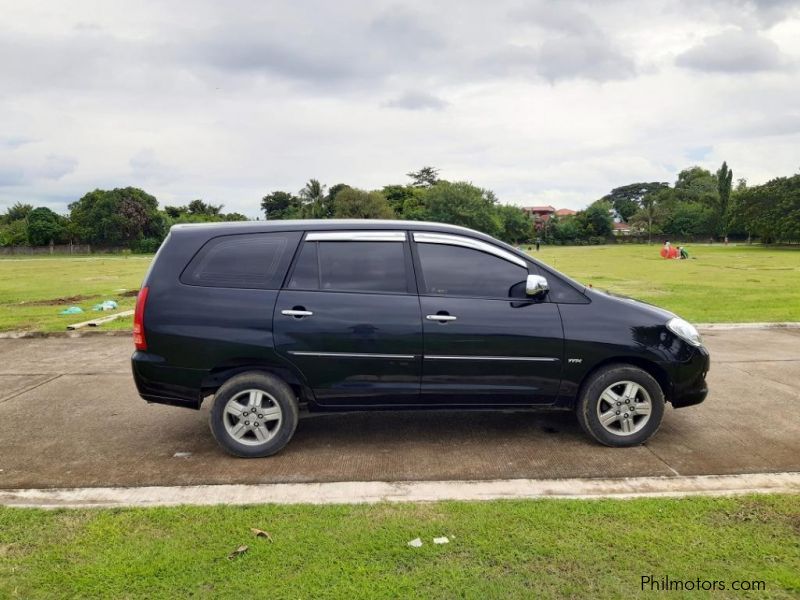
<point>254,414</point>
<point>621,405</point>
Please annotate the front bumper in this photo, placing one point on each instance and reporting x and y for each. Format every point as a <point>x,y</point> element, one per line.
<point>690,386</point>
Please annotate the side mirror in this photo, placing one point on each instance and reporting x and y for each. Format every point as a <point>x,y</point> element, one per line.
<point>536,285</point>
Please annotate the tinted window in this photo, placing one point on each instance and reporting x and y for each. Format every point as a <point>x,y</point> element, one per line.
<point>457,271</point>
<point>306,270</point>
<point>351,266</point>
<point>255,260</point>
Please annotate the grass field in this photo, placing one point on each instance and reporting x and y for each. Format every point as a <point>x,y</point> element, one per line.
<point>34,290</point>
<point>501,549</point>
<point>719,284</point>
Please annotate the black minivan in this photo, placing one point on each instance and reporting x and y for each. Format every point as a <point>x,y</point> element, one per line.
<point>340,315</point>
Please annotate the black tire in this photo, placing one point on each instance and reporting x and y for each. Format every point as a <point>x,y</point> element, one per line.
<point>278,393</point>
<point>590,398</point>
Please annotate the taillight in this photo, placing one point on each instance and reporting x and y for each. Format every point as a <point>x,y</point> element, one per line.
<point>138,320</point>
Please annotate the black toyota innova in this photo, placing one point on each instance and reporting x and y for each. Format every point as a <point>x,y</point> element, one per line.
<point>272,318</point>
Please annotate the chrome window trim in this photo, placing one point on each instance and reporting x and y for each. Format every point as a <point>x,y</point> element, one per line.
<point>516,358</point>
<point>356,236</point>
<point>457,240</point>
<point>351,355</point>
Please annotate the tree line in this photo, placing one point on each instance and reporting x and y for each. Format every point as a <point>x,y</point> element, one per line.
<point>700,204</point>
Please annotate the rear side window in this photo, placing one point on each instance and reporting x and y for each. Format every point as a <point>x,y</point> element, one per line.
<point>351,267</point>
<point>255,261</point>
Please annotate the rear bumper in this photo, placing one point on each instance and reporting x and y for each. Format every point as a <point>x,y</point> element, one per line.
<point>690,386</point>
<point>162,384</point>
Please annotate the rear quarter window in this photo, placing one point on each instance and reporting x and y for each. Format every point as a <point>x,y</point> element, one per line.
<point>253,261</point>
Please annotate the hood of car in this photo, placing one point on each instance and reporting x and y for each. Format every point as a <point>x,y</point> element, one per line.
<point>656,312</point>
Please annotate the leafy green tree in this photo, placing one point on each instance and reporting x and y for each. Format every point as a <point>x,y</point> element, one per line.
<point>17,212</point>
<point>14,233</point>
<point>566,230</point>
<point>117,217</point>
<point>425,177</point>
<point>198,207</point>
<point>174,211</point>
<point>352,203</point>
<point>280,205</point>
<point>689,219</point>
<point>696,184</point>
<point>459,203</point>
<point>405,200</point>
<point>596,219</point>
<point>45,226</point>
<point>772,211</point>
<point>627,199</point>
<point>724,186</point>
<point>516,225</point>
<point>333,191</point>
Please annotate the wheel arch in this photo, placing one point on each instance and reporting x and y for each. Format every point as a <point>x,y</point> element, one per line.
<point>219,375</point>
<point>653,369</point>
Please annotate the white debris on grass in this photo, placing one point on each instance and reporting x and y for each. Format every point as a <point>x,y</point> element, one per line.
<point>441,540</point>
<point>415,543</point>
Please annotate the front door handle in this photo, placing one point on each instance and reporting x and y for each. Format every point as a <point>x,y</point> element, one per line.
<point>440,318</point>
<point>297,313</point>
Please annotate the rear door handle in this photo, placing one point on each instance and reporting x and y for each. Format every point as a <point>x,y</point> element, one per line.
<point>297,313</point>
<point>440,318</point>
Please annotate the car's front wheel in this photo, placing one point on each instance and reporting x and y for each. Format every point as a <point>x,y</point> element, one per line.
<point>621,405</point>
<point>254,414</point>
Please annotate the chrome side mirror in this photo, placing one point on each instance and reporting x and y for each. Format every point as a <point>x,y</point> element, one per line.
<point>536,285</point>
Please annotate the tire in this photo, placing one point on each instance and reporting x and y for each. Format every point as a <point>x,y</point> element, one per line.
<point>613,404</point>
<point>254,415</point>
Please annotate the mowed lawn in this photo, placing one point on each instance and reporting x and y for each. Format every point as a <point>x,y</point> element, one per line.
<point>34,290</point>
<point>498,549</point>
<point>719,284</point>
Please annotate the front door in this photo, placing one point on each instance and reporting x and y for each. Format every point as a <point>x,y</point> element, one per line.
<point>349,319</point>
<point>485,342</point>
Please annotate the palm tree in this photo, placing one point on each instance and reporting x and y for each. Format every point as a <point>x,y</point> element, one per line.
<point>313,198</point>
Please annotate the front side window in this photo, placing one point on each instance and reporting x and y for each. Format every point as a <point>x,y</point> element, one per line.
<point>357,266</point>
<point>458,271</point>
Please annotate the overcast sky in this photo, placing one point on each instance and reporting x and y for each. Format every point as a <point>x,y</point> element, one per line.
<point>542,102</point>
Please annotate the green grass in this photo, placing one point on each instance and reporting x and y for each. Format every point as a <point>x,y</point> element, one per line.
<point>719,284</point>
<point>34,290</point>
<point>500,549</point>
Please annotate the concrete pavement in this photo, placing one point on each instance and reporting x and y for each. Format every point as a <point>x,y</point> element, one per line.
<point>70,417</point>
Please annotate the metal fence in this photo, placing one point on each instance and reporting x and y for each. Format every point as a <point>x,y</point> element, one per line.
<point>41,250</point>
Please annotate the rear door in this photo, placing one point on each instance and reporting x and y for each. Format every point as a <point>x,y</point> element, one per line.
<point>349,318</point>
<point>485,341</point>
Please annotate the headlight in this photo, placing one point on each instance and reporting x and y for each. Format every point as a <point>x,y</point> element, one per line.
<point>685,330</point>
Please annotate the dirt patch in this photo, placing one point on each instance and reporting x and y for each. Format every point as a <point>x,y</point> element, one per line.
<point>129,294</point>
<point>57,301</point>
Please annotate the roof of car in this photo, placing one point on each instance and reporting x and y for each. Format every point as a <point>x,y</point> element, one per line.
<point>233,227</point>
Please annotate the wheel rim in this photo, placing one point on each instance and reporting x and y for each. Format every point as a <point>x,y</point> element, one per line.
<point>624,408</point>
<point>252,417</point>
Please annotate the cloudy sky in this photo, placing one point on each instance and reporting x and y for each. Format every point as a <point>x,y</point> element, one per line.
<point>543,102</point>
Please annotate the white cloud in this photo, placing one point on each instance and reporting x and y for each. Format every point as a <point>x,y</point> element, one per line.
<point>735,51</point>
<point>537,100</point>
